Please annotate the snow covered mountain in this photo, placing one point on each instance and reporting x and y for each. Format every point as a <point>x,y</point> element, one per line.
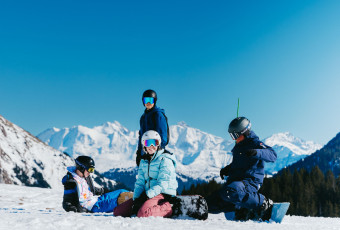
<point>26,160</point>
<point>290,149</point>
<point>200,155</point>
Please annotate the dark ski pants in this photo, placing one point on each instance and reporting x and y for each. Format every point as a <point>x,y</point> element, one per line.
<point>243,194</point>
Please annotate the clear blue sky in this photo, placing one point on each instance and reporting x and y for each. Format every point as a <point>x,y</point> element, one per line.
<point>66,63</point>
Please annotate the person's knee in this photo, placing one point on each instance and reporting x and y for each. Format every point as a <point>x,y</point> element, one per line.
<point>233,192</point>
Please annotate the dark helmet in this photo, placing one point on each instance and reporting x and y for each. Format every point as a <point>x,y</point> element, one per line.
<point>239,126</point>
<point>150,93</point>
<point>85,162</point>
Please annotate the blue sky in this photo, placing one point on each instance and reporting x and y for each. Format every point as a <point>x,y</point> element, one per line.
<point>66,63</point>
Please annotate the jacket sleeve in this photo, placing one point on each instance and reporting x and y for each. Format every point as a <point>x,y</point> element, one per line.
<point>140,182</point>
<point>140,135</point>
<point>265,152</point>
<point>162,128</point>
<point>166,169</point>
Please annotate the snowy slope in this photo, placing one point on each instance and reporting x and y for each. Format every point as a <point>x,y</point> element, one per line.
<point>25,160</point>
<point>37,208</point>
<point>200,155</point>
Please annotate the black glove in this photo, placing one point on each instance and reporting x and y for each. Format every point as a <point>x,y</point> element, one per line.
<point>106,190</point>
<point>224,171</point>
<point>250,152</point>
<point>138,202</point>
<point>138,157</point>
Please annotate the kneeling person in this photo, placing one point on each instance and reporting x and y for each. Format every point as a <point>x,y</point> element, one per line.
<point>80,195</point>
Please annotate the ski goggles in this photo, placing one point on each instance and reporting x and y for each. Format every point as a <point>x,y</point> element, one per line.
<point>90,170</point>
<point>150,100</point>
<point>148,143</point>
<point>234,136</point>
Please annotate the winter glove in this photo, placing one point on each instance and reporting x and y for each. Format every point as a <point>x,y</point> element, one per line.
<point>106,190</point>
<point>251,152</point>
<point>138,202</point>
<point>224,172</point>
<point>138,157</point>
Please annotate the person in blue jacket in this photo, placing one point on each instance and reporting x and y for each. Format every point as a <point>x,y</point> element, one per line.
<point>156,184</point>
<point>153,118</point>
<point>246,172</point>
<point>80,194</point>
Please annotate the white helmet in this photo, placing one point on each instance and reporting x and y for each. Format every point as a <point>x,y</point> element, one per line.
<point>151,135</point>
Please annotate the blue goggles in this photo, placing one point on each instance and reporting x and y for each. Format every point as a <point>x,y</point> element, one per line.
<point>150,100</point>
<point>148,143</point>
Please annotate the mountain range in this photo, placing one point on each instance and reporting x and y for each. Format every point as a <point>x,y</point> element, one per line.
<point>200,155</point>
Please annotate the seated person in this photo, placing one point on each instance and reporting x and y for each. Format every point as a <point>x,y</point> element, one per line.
<point>155,188</point>
<point>80,195</point>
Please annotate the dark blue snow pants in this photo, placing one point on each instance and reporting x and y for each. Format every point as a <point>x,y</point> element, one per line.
<point>243,194</point>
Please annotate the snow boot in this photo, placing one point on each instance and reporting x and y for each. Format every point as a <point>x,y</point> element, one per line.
<point>265,211</point>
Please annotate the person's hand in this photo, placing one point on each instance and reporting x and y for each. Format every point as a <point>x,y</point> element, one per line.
<point>106,190</point>
<point>250,152</point>
<point>224,172</point>
<point>138,202</point>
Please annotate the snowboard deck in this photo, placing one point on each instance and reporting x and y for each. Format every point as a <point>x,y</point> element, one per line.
<point>194,206</point>
<point>279,211</point>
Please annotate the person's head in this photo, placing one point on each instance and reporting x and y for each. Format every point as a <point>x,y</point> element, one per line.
<point>239,128</point>
<point>149,98</point>
<point>151,142</point>
<point>85,165</point>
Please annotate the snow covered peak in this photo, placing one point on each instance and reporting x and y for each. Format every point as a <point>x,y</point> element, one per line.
<point>182,123</point>
<point>25,160</point>
<point>111,127</point>
<point>295,144</point>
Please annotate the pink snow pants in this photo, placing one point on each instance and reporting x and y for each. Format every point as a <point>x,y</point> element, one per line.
<point>156,206</point>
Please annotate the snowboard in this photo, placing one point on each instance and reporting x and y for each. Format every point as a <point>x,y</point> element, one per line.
<point>279,210</point>
<point>194,206</point>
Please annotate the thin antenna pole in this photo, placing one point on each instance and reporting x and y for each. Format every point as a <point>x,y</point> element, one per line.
<point>238,105</point>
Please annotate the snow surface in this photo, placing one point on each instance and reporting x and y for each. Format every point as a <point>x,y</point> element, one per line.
<point>37,208</point>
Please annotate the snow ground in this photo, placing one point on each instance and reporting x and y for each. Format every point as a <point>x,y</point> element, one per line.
<point>37,208</point>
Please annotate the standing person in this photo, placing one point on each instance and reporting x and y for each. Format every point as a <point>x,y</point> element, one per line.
<point>156,184</point>
<point>153,118</point>
<point>80,195</point>
<point>246,173</point>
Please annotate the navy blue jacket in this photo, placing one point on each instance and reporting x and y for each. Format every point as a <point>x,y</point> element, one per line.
<point>153,119</point>
<point>250,168</point>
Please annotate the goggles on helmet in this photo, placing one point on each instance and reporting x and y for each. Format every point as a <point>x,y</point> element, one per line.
<point>90,170</point>
<point>148,143</point>
<point>150,100</point>
<point>234,136</point>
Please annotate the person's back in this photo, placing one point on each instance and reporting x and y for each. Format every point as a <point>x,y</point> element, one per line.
<point>246,172</point>
<point>244,167</point>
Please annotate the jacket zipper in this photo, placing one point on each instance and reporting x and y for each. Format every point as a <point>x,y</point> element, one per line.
<point>149,172</point>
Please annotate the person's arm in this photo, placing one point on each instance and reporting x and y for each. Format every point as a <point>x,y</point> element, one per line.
<point>140,184</point>
<point>265,152</point>
<point>167,168</point>
<point>162,128</point>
